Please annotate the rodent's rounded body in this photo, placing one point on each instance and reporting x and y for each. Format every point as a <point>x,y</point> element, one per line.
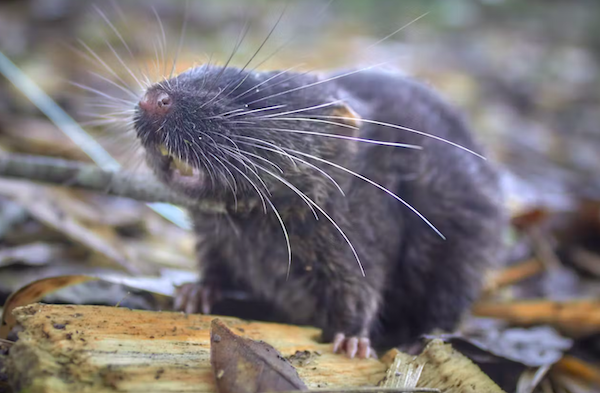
<point>414,281</point>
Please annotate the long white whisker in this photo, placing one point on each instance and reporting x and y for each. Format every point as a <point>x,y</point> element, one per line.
<point>234,187</point>
<point>281,223</point>
<point>181,38</point>
<point>318,82</point>
<point>292,157</point>
<point>396,31</point>
<point>163,43</point>
<point>283,152</point>
<point>372,183</point>
<point>380,123</point>
<point>336,136</point>
<point>265,81</point>
<point>103,63</point>
<point>331,220</point>
<point>102,94</point>
<point>125,66</point>
<point>114,29</point>
<point>260,194</point>
<point>333,123</point>
<point>124,89</point>
<point>269,108</point>
<point>255,54</point>
<point>304,109</point>
<point>253,155</point>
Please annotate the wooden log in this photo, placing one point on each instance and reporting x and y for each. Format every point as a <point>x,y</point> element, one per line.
<point>107,349</point>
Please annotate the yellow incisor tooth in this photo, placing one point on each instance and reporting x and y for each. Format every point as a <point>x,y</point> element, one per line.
<point>184,169</point>
<point>163,150</point>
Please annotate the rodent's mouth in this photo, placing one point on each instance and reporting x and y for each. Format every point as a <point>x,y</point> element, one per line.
<point>174,170</point>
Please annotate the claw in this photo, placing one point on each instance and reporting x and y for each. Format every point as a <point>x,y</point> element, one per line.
<point>353,346</point>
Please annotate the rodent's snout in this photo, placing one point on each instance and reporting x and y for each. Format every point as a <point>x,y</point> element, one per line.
<point>156,102</point>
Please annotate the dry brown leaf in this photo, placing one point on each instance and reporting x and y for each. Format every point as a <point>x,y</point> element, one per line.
<point>578,368</point>
<point>242,365</point>
<point>32,293</point>
<point>530,218</point>
<point>576,318</point>
<point>513,274</point>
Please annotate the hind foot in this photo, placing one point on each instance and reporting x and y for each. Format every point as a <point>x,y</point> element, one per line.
<point>353,346</point>
<point>193,298</point>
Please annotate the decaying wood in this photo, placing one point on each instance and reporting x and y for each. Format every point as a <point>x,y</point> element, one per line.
<point>104,349</point>
<point>438,366</point>
<point>31,293</point>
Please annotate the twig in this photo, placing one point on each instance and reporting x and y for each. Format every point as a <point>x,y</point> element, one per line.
<point>90,177</point>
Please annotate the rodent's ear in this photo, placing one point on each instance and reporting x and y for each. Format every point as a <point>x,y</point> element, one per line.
<point>349,124</point>
<point>350,117</point>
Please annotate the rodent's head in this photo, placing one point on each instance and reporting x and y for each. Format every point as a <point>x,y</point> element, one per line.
<point>229,134</point>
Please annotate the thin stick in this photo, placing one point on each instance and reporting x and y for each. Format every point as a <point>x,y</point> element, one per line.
<point>92,178</point>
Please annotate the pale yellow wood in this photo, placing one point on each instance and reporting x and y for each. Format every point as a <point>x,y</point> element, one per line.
<point>103,349</point>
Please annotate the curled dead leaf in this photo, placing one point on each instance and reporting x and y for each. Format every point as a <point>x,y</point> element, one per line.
<point>33,292</point>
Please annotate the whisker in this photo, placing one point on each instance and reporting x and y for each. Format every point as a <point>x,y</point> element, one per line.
<point>233,186</point>
<point>124,65</point>
<point>305,109</point>
<point>397,31</point>
<point>255,54</point>
<point>336,136</point>
<point>255,156</point>
<point>102,94</point>
<point>277,50</point>
<point>372,183</point>
<point>216,80</point>
<point>103,63</point>
<point>223,167</point>
<point>281,223</point>
<point>292,157</point>
<point>269,108</point>
<point>163,43</point>
<point>260,194</point>
<point>380,123</point>
<point>308,119</point>
<point>181,37</point>
<point>124,89</point>
<point>266,81</point>
<point>281,151</point>
<point>318,82</point>
<point>316,205</point>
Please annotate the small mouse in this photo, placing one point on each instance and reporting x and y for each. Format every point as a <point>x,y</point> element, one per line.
<point>356,201</point>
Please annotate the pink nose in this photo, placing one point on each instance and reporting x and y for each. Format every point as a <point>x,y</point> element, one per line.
<point>156,102</point>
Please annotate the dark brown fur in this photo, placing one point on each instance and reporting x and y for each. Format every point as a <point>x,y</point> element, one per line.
<point>414,280</point>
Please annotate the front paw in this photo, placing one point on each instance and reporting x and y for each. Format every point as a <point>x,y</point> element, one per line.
<point>193,298</point>
<point>353,346</point>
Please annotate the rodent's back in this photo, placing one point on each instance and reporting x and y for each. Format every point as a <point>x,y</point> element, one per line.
<point>434,279</point>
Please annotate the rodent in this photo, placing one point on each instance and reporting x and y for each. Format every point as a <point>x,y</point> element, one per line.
<point>228,135</point>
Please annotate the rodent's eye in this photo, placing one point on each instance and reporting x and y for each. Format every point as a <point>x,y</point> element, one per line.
<point>156,102</point>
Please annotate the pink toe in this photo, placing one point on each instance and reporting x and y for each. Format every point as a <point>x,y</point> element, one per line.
<point>351,347</point>
<point>364,348</point>
<point>338,342</point>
